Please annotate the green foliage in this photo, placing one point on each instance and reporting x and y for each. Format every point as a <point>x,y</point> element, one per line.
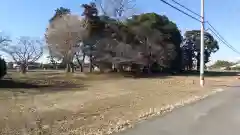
<point>222,63</point>
<point>153,21</point>
<point>235,68</point>
<point>211,45</point>
<point>162,30</point>
<point>59,12</point>
<point>144,40</point>
<point>192,42</point>
<point>3,68</point>
<point>153,36</point>
<point>94,25</point>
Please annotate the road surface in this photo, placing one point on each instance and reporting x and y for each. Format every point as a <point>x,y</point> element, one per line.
<point>215,115</point>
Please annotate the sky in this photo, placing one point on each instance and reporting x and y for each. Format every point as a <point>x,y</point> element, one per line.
<point>30,18</point>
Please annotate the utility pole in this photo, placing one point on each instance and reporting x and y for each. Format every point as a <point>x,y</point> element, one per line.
<point>202,45</point>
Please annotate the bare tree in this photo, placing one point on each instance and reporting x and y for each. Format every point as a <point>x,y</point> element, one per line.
<point>4,40</point>
<point>53,61</point>
<point>119,9</point>
<point>26,50</point>
<point>64,36</point>
<point>81,54</point>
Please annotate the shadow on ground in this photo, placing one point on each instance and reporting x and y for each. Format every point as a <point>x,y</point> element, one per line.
<point>29,86</point>
<point>186,73</point>
<point>127,74</point>
<point>229,86</point>
<point>139,76</point>
<point>14,84</point>
<point>209,73</point>
<point>165,75</point>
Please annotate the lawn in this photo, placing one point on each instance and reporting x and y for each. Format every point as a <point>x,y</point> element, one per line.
<point>51,102</point>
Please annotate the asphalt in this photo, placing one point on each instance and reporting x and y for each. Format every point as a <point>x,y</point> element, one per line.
<point>215,115</point>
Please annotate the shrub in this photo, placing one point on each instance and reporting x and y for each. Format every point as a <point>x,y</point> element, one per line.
<point>235,68</point>
<point>3,68</point>
<point>228,68</point>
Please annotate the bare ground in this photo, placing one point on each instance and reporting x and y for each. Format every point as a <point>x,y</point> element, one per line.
<point>80,104</point>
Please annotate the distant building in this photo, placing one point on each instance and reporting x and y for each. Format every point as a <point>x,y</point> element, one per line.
<point>32,65</point>
<point>10,65</point>
<point>236,65</point>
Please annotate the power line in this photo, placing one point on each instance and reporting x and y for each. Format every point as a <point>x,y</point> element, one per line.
<point>224,42</point>
<point>186,8</point>
<point>218,33</point>
<point>180,10</point>
<point>212,29</point>
<point>206,22</point>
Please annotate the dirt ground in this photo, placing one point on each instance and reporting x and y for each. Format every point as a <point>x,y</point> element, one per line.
<point>56,103</point>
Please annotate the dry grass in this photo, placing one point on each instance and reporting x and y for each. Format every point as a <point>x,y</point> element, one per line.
<point>91,104</point>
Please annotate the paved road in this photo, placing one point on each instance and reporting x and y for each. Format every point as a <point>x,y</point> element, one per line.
<point>215,115</point>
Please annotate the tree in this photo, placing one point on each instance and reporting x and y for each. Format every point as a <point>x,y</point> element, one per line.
<point>64,36</point>
<point>187,54</point>
<point>104,33</point>
<point>59,12</point>
<point>94,27</point>
<point>222,63</point>
<point>156,35</point>
<point>3,68</point>
<point>52,60</point>
<point>148,38</point>
<point>141,40</point>
<point>26,50</point>
<point>4,40</point>
<point>118,9</point>
<point>80,62</point>
<point>193,38</point>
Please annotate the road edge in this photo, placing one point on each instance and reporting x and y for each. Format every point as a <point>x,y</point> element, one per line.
<point>153,112</point>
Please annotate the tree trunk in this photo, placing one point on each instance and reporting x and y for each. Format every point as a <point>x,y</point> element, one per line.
<point>114,68</point>
<point>72,67</point>
<point>91,58</point>
<point>91,65</point>
<point>23,68</point>
<point>190,60</point>
<point>81,67</point>
<point>198,61</point>
<point>68,68</point>
<point>80,64</point>
<point>120,68</point>
<point>101,68</point>
<point>83,59</point>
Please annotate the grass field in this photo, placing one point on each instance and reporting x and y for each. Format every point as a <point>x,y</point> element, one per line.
<point>51,102</point>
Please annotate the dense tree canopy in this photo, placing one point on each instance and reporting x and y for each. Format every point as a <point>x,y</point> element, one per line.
<point>143,41</point>
<point>155,34</point>
<point>191,47</point>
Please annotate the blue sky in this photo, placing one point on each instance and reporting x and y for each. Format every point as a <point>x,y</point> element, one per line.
<point>30,17</point>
